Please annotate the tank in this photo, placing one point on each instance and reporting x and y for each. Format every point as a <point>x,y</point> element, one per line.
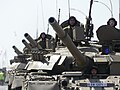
<point>37,62</point>
<point>31,54</point>
<point>81,60</point>
<point>97,64</point>
<point>66,60</point>
<point>92,65</point>
<point>73,64</point>
<point>16,68</point>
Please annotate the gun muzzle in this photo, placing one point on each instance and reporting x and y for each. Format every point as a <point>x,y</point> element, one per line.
<point>18,52</point>
<point>26,44</point>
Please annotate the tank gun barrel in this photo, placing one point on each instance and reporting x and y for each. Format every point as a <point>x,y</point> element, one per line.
<point>80,59</point>
<point>33,42</point>
<point>26,44</point>
<point>16,50</point>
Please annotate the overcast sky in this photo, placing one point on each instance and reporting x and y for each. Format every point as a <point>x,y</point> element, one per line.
<point>18,17</point>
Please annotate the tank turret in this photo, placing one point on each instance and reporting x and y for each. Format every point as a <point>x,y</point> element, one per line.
<point>80,58</point>
<point>16,68</point>
<point>34,48</point>
<point>109,38</point>
<point>102,31</point>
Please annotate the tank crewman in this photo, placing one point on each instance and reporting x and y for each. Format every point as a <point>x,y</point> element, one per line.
<point>70,24</point>
<point>94,72</point>
<point>43,40</point>
<point>1,77</point>
<point>112,22</point>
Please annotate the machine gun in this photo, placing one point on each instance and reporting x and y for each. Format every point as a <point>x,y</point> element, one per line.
<point>89,25</point>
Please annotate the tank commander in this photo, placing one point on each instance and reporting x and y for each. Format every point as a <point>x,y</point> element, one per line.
<point>73,27</point>
<point>104,30</point>
<point>42,40</point>
<point>112,22</point>
<point>69,24</point>
<point>45,40</point>
<point>109,37</point>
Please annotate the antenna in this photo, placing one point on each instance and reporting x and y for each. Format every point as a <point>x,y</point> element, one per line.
<point>119,13</point>
<point>69,7</point>
<point>37,33</point>
<point>48,29</point>
<point>106,6</point>
<point>59,17</point>
<point>79,11</point>
<point>111,7</point>
<point>91,2</point>
<point>56,7</point>
<point>37,23</point>
<point>42,15</point>
<point>56,36</point>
